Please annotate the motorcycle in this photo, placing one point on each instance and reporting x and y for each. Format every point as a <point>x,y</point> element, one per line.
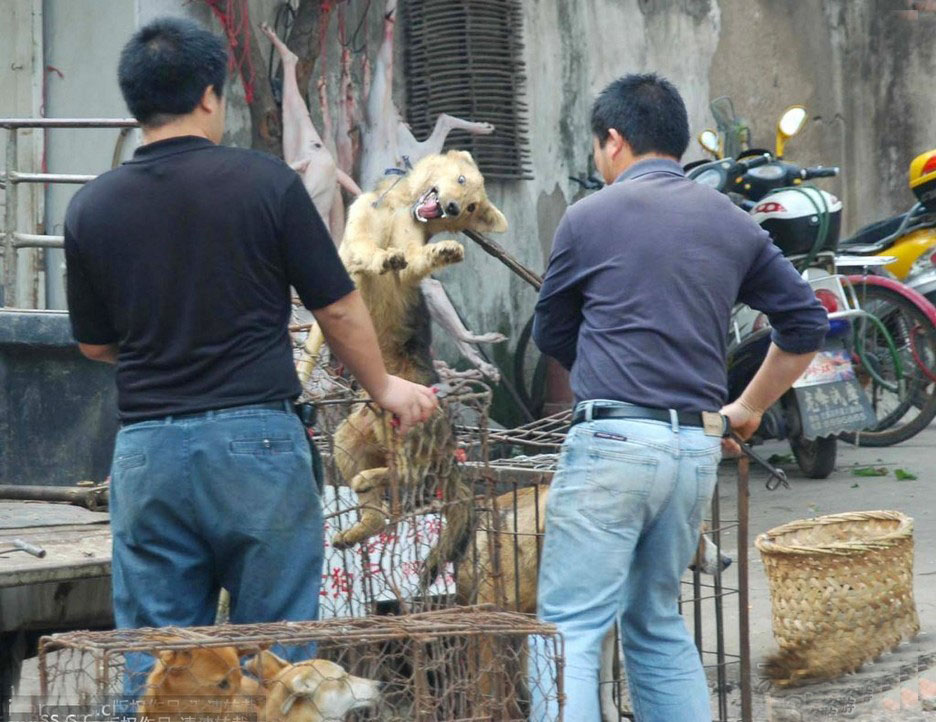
<point>909,237</point>
<point>804,222</point>
<point>894,339</point>
<point>922,275</point>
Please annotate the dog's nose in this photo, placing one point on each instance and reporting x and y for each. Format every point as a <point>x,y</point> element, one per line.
<point>725,561</point>
<point>452,209</point>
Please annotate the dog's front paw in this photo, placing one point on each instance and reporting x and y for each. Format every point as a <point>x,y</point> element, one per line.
<point>341,541</point>
<point>484,128</point>
<point>446,252</point>
<point>393,261</point>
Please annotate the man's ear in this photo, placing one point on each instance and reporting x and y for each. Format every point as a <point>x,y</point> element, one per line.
<point>488,219</point>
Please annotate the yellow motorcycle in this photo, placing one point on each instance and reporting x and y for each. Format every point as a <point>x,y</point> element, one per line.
<point>909,237</point>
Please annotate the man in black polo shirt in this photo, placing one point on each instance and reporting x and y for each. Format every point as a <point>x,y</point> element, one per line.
<point>636,303</point>
<point>180,264</point>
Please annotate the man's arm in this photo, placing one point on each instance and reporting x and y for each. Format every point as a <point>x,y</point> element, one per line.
<point>350,334</point>
<point>559,309</point>
<point>89,316</point>
<point>106,353</point>
<point>799,323</point>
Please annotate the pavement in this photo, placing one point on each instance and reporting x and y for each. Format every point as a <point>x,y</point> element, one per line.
<point>899,686</point>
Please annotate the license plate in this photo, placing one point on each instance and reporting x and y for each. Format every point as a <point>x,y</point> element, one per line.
<point>827,367</point>
<point>830,398</point>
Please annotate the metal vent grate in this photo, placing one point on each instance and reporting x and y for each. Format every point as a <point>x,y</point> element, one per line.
<point>465,58</point>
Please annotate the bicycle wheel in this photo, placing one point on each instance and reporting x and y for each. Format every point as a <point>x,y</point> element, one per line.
<point>903,400</point>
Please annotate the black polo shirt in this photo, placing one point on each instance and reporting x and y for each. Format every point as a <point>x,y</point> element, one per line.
<point>184,256</point>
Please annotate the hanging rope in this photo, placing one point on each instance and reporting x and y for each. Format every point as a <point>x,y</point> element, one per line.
<point>235,19</point>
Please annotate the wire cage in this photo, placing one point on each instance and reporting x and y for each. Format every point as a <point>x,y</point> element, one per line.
<point>512,523</point>
<point>423,666</point>
<point>398,508</point>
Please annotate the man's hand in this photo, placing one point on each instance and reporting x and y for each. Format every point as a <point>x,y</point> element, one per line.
<point>410,402</point>
<point>744,421</point>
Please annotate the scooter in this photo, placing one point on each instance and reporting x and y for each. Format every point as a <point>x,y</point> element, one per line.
<point>828,399</point>
<point>894,346</point>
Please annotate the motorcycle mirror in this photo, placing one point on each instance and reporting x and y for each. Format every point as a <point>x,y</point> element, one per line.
<point>790,123</point>
<point>710,142</point>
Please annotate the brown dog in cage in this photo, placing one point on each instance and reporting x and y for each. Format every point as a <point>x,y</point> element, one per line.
<point>310,691</point>
<point>206,683</point>
<point>203,682</point>
<point>503,570</point>
<point>387,253</point>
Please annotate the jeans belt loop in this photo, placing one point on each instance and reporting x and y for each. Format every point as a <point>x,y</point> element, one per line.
<point>674,420</point>
<point>588,411</point>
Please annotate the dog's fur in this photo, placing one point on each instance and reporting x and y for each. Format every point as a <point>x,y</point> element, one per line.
<point>520,521</point>
<point>387,253</point>
<point>311,691</point>
<point>203,682</point>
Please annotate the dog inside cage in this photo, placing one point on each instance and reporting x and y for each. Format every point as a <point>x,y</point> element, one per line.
<point>422,666</point>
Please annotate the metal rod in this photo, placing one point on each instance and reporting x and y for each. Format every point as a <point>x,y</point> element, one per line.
<point>34,240</point>
<point>12,204</point>
<point>744,632</point>
<point>13,123</point>
<point>91,497</point>
<point>719,614</point>
<point>15,177</point>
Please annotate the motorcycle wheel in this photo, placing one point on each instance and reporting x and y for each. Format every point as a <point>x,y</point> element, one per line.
<point>816,457</point>
<point>900,415</point>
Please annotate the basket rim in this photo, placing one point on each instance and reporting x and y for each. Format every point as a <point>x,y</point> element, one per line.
<point>766,545</point>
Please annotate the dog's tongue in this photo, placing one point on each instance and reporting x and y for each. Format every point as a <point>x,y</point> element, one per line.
<point>430,209</point>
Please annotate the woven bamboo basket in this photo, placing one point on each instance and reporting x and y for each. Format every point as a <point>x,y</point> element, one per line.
<point>841,590</point>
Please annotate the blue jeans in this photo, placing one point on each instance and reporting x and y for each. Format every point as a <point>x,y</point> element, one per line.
<point>228,500</point>
<point>622,525</point>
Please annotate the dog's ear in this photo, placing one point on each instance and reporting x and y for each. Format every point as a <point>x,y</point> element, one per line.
<point>488,219</point>
<point>464,155</point>
<point>175,660</point>
<point>266,665</point>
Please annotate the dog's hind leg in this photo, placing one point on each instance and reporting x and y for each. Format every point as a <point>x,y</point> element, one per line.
<point>300,139</point>
<point>369,486</point>
<point>445,124</point>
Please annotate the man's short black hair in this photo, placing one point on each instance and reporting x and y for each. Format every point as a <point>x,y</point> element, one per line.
<point>647,111</point>
<point>166,66</point>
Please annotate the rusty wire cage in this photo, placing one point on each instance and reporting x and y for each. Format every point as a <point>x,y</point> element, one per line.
<point>521,467</point>
<point>422,666</point>
<point>395,505</point>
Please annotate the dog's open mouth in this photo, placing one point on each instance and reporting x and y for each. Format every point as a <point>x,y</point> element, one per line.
<point>428,207</point>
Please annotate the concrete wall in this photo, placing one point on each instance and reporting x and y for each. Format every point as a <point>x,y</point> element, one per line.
<point>863,68</point>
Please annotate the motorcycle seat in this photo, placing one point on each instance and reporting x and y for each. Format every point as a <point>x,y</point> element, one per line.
<point>875,232</point>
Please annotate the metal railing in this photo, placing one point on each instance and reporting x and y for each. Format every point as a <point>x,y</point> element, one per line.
<point>13,239</point>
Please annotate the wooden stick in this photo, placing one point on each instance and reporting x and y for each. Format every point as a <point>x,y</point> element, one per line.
<point>496,250</point>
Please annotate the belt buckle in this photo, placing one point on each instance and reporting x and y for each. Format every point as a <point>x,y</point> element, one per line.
<point>713,424</point>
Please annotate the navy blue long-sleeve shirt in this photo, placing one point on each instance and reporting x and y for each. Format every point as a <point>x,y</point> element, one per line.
<point>641,282</point>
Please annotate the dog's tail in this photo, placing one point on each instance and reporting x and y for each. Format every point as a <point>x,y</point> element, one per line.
<point>310,353</point>
<point>459,516</point>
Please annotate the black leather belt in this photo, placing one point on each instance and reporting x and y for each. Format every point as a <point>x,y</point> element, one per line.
<point>282,405</point>
<point>684,418</point>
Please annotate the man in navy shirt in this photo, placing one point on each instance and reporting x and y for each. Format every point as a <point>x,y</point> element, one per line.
<point>180,264</point>
<point>636,304</point>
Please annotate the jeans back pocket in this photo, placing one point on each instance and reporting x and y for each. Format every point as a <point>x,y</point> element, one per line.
<point>263,447</point>
<point>617,486</point>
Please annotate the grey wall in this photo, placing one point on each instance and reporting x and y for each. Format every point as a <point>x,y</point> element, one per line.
<point>863,68</point>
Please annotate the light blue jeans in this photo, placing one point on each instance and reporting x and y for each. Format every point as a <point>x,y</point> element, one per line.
<point>226,499</point>
<point>622,525</point>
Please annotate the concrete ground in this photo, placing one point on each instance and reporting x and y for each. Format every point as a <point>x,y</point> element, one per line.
<point>898,686</point>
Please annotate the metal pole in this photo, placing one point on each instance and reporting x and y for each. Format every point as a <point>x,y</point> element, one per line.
<point>744,632</point>
<point>9,224</point>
